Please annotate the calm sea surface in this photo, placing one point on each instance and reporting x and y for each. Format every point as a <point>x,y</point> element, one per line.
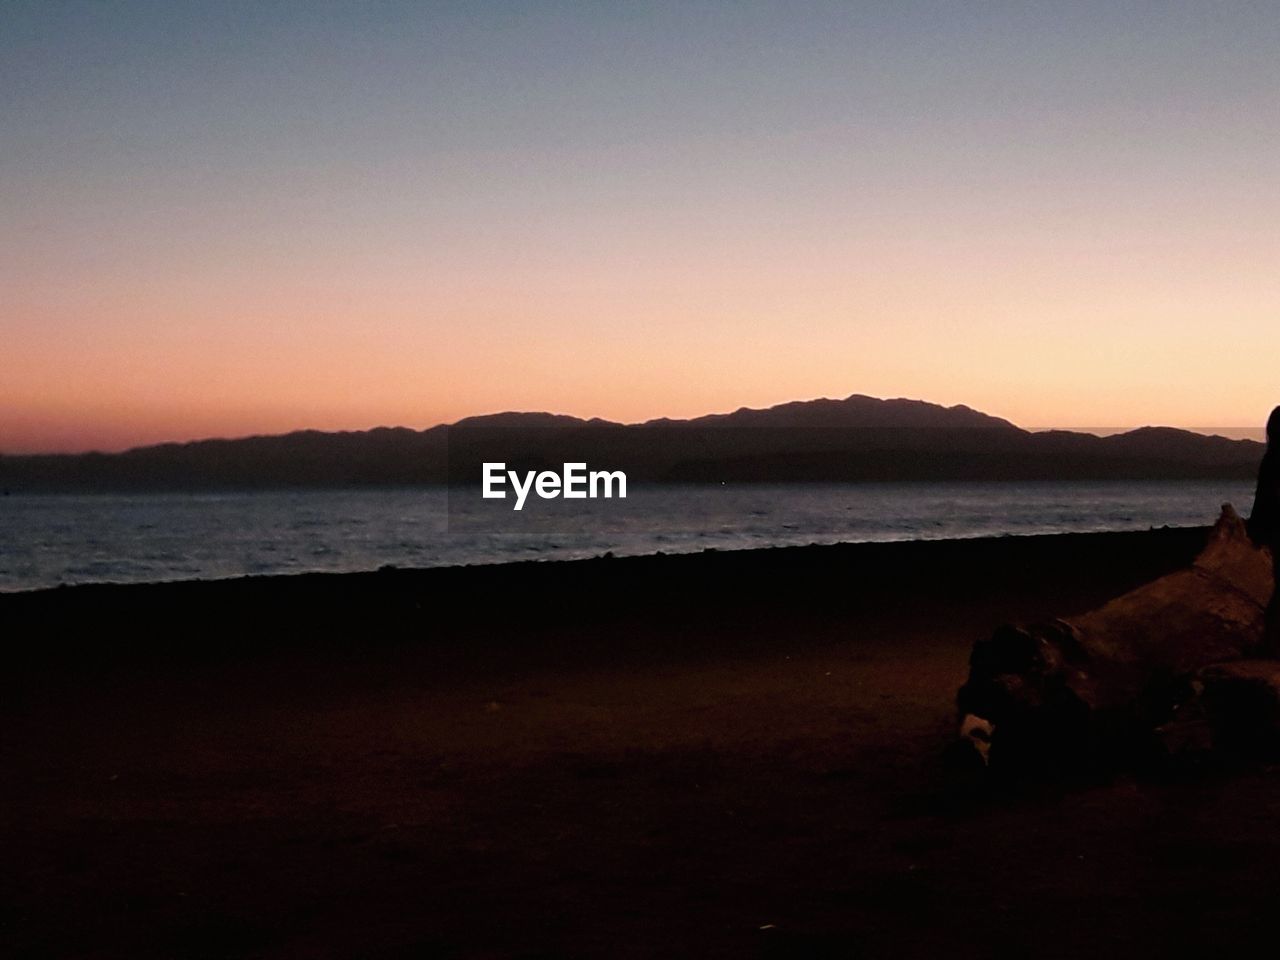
<point>49,540</point>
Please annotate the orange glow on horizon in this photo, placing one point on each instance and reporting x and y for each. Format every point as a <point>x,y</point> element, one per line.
<point>115,361</point>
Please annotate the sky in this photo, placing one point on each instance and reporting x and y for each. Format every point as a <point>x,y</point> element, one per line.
<point>231,218</point>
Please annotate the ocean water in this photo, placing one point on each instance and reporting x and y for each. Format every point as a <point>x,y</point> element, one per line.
<point>55,539</point>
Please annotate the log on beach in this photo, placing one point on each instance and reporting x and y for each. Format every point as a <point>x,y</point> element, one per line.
<point>1101,685</point>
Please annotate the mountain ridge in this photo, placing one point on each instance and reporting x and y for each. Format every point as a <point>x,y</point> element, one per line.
<point>854,438</point>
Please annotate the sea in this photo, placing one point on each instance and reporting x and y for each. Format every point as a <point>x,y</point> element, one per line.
<point>50,540</point>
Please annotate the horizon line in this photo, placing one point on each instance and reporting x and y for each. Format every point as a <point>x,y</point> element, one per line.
<point>1256,434</point>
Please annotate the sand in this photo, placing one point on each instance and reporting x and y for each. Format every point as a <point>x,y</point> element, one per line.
<point>721,755</point>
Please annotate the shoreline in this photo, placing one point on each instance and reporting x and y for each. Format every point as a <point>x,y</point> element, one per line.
<point>390,605</point>
<point>61,588</point>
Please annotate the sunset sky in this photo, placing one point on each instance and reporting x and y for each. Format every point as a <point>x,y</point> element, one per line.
<point>232,218</point>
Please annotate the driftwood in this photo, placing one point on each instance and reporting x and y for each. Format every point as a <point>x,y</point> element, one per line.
<point>1175,664</point>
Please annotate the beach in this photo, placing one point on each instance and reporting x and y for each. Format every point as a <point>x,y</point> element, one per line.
<point>733,754</point>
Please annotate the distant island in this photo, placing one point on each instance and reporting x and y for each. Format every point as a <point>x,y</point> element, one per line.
<point>858,438</point>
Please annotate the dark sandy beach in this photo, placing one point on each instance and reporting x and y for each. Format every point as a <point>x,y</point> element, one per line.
<point>729,755</point>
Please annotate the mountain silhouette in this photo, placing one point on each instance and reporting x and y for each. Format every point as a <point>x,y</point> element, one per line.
<point>857,438</point>
<point>854,411</point>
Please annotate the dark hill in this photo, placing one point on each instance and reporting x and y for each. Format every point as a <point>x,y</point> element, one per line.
<point>858,438</point>
<point>855,411</point>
